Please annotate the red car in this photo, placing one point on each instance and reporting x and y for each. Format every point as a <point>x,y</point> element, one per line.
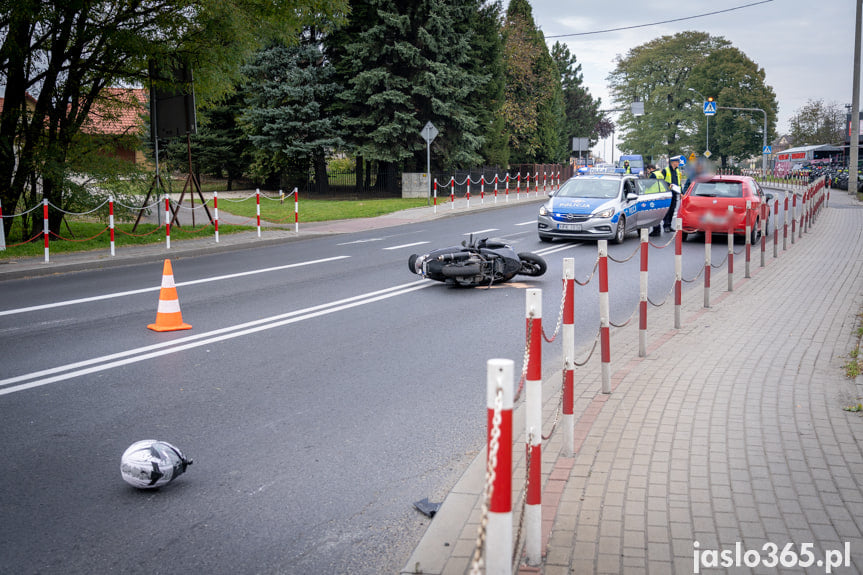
<point>704,206</point>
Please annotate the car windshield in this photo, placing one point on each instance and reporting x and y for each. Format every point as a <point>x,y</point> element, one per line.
<point>587,187</point>
<point>718,189</point>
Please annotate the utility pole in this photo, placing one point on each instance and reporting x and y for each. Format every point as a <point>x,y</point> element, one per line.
<point>854,142</point>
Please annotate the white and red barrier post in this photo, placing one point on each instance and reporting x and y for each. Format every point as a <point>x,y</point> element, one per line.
<point>167,223</point>
<point>748,232</point>
<point>802,214</point>
<point>763,210</point>
<point>604,317</point>
<point>45,228</point>
<point>467,195</point>
<point>793,217</point>
<point>297,210</point>
<point>258,208</point>
<point>499,400</point>
<point>111,222</point>
<point>775,228</point>
<point>678,272</point>
<point>642,297</point>
<point>435,196</point>
<point>785,224</point>
<point>536,184</point>
<point>730,248</point>
<point>2,231</point>
<point>216,214</point>
<point>482,189</point>
<point>506,188</point>
<point>518,186</point>
<point>544,182</point>
<point>496,179</point>
<point>708,244</point>
<point>533,429</point>
<point>452,192</point>
<point>568,331</point>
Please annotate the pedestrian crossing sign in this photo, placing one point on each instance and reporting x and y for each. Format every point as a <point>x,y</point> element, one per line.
<point>709,108</point>
<point>767,150</point>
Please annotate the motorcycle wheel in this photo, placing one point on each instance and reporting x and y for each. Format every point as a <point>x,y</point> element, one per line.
<point>454,271</point>
<point>531,264</point>
<point>411,262</point>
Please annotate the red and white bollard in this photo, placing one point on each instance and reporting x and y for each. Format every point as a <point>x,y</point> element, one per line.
<point>216,214</point>
<point>467,195</point>
<point>708,243</point>
<point>536,184</point>
<point>775,228</point>
<point>499,400</point>
<point>568,331</point>
<point>435,195</point>
<point>296,210</point>
<point>793,217</point>
<point>258,208</point>
<point>167,223</point>
<point>533,429</point>
<point>802,215</point>
<point>730,248</point>
<point>763,209</point>
<point>678,272</point>
<point>642,297</point>
<point>482,189</point>
<point>785,224</point>
<point>604,317</point>
<point>495,188</point>
<point>452,192</point>
<point>518,186</point>
<point>111,222</point>
<point>506,188</point>
<point>45,228</point>
<point>748,232</point>
<point>2,231</point>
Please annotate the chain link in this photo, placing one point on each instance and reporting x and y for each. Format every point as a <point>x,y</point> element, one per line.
<point>668,243</point>
<point>720,264</point>
<point>589,355</point>
<point>698,275</point>
<point>559,406</point>
<point>663,301</point>
<point>590,277</point>
<point>624,324</point>
<point>490,475</point>
<point>526,359</point>
<point>559,317</point>
<point>623,261</point>
<point>517,547</point>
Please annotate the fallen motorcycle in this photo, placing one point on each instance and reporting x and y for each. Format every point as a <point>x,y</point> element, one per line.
<point>476,263</point>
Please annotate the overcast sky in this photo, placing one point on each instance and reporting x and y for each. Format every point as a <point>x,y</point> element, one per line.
<point>806,47</point>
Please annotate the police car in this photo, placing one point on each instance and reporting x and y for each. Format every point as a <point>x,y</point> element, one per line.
<point>603,206</point>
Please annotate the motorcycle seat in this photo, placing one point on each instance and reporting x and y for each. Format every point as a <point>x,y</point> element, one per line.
<point>494,244</point>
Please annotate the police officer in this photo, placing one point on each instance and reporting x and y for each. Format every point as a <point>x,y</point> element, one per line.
<point>674,177</point>
<point>626,168</point>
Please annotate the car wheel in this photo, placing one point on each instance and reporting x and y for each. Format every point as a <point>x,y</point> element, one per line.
<point>755,232</point>
<point>544,238</point>
<point>683,236</point>
<point>620,232</point>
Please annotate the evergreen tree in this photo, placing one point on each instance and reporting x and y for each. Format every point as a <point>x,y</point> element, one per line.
<point>582,111</point>
<point>533,112</point>
<point>288,117</point>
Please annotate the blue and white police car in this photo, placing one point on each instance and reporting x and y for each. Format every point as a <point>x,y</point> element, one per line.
<point>603,206</point>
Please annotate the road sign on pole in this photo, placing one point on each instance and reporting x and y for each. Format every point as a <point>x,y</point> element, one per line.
<point>709,108</point>
<point>429,133</point>
<point>767,150</point>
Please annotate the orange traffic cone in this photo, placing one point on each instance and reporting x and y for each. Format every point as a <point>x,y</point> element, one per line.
<point>168,316</point>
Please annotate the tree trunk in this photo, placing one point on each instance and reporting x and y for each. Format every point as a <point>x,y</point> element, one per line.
<point>321,178</point>
<point>358,184</point>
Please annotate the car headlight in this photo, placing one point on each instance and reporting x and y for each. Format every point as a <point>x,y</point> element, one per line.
<point>604,213</point>
<point>543,211</point>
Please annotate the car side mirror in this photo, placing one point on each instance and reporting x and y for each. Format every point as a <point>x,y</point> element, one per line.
<point>631,196</point>
<point>769,196</point>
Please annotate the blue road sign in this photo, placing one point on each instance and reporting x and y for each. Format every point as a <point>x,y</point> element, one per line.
<point>767,150</point>
<point>709,108</point>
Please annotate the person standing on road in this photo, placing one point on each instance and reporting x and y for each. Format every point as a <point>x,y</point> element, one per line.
<point>626,168</point>
<point>651,172</point>
<point>674,177</point>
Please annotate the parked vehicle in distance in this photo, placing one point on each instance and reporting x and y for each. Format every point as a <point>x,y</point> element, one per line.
<point>636,164</point>
<point>705,205</point>
<point>603,206</point>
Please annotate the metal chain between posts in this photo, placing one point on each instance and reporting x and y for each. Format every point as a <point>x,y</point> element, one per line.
<point>623,261</point>
<point>559,407</point>
<point>589,355</point>
<point>698,275</point>
<point>668,243</point>
<point>590,277</point>
<point>491,465</point>
<point>626,323</point>
<point>559,317</point>
<point>515,549</point>
<point>526,360</point>
<point>720,264</point>
<point>663,301</point>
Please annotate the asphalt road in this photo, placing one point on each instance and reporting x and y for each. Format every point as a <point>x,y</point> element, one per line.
<point>322,390</point>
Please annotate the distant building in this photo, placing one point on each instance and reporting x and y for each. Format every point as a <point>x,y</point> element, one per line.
<point>115,123</point>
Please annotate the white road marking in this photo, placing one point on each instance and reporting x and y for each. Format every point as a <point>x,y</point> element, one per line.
<point>527,223</point>
<point>158,287</point>
<point>361,241</point>
<point>47,376</point>
<point>405,246</point>
<point>481,232</point>
<point>547,251</point>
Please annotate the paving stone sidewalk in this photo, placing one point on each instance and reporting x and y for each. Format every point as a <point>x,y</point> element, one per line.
<point>732,429</point>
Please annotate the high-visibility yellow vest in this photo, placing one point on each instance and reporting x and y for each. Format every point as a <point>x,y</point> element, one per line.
<point>666,175</point>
